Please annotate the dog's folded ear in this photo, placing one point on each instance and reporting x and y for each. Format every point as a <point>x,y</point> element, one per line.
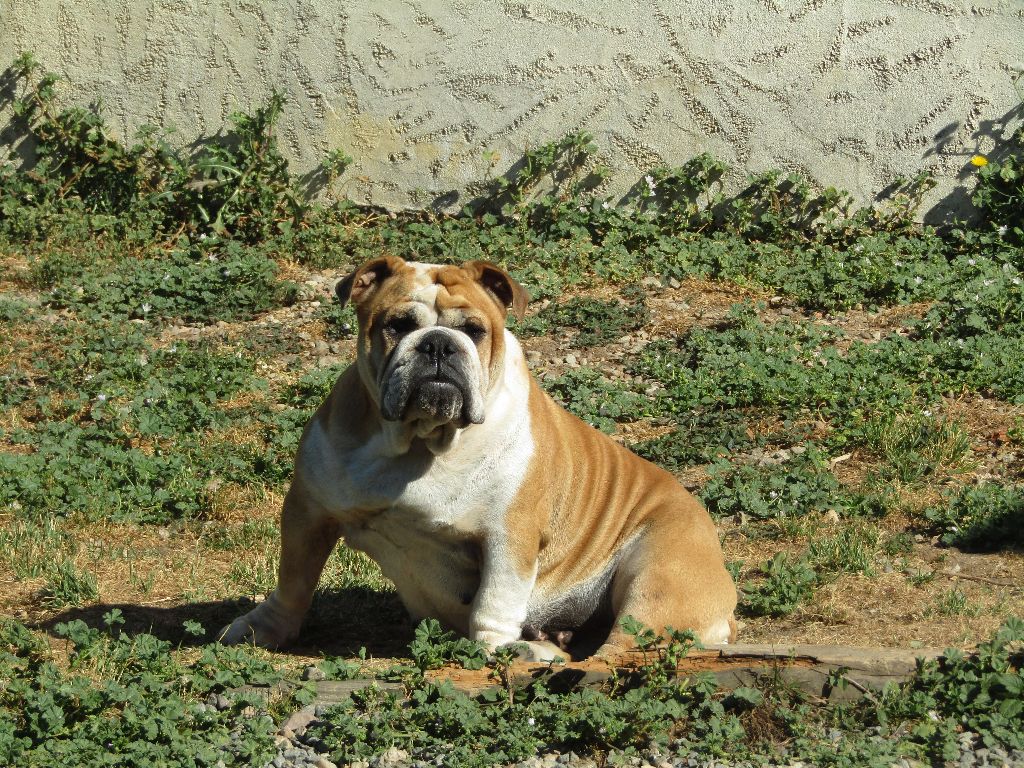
<point>366,278</point>
<point>509,294</point>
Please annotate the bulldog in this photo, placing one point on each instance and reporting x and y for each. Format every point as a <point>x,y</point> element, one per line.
<point>490,507</point>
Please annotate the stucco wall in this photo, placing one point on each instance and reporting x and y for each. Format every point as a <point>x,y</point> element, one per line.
<point>430,96</point>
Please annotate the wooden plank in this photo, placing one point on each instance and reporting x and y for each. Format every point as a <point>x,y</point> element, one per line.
<point>808,668</point>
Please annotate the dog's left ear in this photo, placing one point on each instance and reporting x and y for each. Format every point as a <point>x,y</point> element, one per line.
<point>509,294</point>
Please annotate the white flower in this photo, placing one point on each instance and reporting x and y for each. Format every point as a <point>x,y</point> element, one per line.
<point>530,721</point>
<point>212,257</point>
<point>898,263</point>
<point>918,280</point>
<point>146,308</point>
<point>1002,230</point>
<point>101,397</point>
<point>606,205</point>
<point>650,183</point>
<point>972,262</point>
<point>1016,281</point>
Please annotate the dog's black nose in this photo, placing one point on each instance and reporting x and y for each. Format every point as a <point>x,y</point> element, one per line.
<point>437,345</point>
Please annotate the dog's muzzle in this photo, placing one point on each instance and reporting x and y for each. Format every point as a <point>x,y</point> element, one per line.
<point>435,375</point>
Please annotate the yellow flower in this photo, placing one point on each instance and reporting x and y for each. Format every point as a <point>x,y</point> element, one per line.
<point>979,160</point>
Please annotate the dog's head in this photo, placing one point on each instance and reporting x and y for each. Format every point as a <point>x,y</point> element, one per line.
<point>431,338</point>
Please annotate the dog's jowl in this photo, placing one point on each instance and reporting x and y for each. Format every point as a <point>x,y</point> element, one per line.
<point>490,507</point>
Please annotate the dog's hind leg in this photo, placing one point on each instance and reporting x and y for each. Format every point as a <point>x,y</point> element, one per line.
<point>660,587</point>
<point>307,539</point>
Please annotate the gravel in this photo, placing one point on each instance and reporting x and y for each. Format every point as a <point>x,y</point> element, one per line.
<point>296,751</point>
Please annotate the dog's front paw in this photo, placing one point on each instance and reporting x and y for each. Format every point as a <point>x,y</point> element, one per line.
<point>265,626</point>
<point>539,651</point>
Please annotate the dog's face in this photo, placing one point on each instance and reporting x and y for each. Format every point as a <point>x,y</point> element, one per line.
<point>431,338</point>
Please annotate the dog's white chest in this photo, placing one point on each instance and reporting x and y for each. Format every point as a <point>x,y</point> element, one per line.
<point>469,489</point>
<point>423,518</point>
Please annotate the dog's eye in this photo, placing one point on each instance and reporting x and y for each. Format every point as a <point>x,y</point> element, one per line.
<point>474,331</point>
<point>400,325</point>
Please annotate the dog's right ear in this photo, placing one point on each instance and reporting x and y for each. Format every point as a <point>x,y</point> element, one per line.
<point>366,279</point>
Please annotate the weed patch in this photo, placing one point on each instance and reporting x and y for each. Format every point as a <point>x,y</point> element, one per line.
<point>985,517</point>
<point>126,696</point>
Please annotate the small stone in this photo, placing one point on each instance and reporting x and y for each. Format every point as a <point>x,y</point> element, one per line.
<point>323,762</point>
<point>313,672</point>
<point>571,360</point>
<point>218,701</point>
<point>391,756</point>
<point>298,721</point>
<point>674,283</point>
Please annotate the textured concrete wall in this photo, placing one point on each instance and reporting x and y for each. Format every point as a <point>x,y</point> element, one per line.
<point>431,96</point>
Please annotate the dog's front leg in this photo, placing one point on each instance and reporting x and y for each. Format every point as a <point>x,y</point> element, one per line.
<point>307,538</point>
<point>507,579</point>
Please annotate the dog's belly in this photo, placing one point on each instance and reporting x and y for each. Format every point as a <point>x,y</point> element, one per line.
<point>436,571</point>
<point>555,607</point>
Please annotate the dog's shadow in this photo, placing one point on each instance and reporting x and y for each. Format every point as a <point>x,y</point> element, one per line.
<point>340,623</point>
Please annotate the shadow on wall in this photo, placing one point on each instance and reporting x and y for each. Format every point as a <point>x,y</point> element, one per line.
<point>13,130</point>
<point>18,138</point>
<point>568,166</point>
<point>1000,132</point>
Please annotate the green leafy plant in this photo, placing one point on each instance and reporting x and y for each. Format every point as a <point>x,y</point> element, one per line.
<point>787,583</point>
<point>987,516</point>
<point>597,321</point>
<point>595,399</point>
<point>434,647</point>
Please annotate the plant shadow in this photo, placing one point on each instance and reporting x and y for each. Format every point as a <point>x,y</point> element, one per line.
<point>996,132</point>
